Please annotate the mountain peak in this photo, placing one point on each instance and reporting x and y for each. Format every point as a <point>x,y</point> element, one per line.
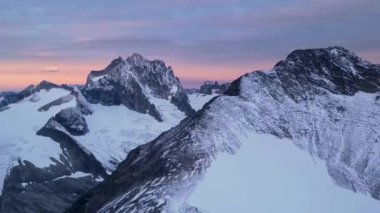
<point>306,73</point>
<point>46,85</point>
<point>133,82</point>
<point>137,60</point>
<point>136,56</point>
<point>332,53</point>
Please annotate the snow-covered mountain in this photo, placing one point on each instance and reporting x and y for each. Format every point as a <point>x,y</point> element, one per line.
<point>324,101</point>
<point>133,82</point>
<point>57,142</point>
<point>7,98</point>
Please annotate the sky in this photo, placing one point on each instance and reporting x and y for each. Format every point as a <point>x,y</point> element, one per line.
<point>62,41</point>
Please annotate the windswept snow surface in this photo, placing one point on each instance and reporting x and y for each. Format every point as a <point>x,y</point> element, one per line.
<point>198,100</point>
<point>18,127</point>
<point>116,130</point>
<point>271,175</point>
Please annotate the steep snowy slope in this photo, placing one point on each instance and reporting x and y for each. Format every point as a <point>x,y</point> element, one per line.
<point>271,175</point>
<point>325,101</point>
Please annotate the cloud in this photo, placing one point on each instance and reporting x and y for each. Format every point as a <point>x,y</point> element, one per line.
<point>16,70</point>
<point>50,70</point>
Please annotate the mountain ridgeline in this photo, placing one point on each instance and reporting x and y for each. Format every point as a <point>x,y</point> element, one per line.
<point>324,100</point>
<point>129,140</point>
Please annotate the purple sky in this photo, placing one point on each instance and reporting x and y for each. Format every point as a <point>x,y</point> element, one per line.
<point>207,39</point>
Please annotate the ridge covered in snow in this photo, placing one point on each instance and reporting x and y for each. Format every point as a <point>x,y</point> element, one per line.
<point>325,101</point>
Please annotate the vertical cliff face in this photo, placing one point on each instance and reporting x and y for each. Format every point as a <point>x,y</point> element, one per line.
<point>133,82</point>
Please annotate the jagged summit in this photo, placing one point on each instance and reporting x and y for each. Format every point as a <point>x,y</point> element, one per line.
<point>305,73</point>
<point>137,60</point>
<point>135,82</point>
<point>309,72</point>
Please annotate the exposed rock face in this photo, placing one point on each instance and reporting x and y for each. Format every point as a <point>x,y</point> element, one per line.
<point>210,87</point>
<point>335,69</point>
<point>325,100</point>
<point>132,82</point>
<point>32,189</point>
<point>72,120</point>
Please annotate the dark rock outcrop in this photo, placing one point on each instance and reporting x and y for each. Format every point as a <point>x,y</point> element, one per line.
<point>210,87</point>
<point>72,120</point>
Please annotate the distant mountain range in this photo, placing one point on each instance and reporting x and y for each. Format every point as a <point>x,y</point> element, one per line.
<point>134,140</point>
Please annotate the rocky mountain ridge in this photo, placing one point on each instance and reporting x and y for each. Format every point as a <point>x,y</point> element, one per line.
<point>324,100</point>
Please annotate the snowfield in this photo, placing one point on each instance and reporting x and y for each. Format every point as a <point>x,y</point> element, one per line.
<point>198,100</point>
<point>19,124</point>
<point>272,175</point>
<point>116,130</point>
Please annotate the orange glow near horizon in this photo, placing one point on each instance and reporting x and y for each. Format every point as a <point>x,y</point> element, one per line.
<point>15,76</point>
<point>18,75</point>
